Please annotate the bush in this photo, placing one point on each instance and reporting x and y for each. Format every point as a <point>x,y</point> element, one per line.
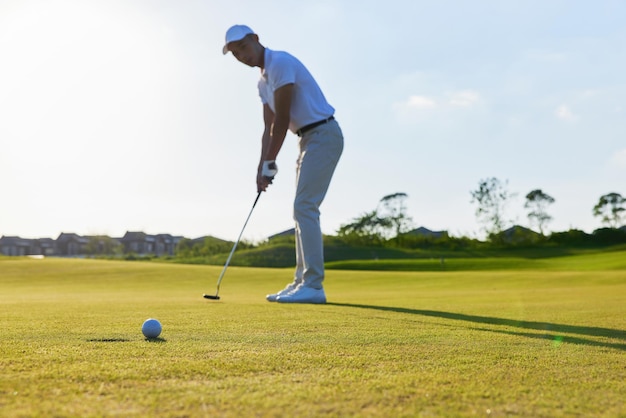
<point>573,237</point>
<point>608,236</point>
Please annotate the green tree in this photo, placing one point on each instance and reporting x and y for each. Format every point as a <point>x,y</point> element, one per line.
<point>491,197</point>
<point>537,202</point>
<point>392,209</point>
<point>367,229</point>
<point>187,248</point>
<point>611,209</point>
<point>389,220</point>
<point>103,245</point>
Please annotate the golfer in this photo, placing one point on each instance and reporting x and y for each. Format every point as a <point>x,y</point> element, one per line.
<point>292,100</point>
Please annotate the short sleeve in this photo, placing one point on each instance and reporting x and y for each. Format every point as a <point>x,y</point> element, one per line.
<point>283,72</point>
<point>262,87</point>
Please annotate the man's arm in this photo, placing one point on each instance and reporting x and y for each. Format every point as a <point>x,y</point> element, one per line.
<point>282,106</point>
<point>276,125</point>
<point>268,120</point>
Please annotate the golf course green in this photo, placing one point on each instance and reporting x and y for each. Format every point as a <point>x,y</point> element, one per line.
<point>543,339</point>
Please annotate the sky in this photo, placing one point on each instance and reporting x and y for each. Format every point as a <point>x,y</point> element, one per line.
<point>123,115</point>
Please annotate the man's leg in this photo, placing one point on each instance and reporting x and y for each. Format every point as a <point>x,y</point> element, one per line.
<point>299,273</point>
<point>319,154</point>
<point>273,297</point>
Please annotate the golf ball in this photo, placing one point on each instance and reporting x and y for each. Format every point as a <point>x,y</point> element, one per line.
<point>151,328</point>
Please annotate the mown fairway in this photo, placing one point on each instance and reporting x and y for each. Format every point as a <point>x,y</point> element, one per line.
<point>542,342</point>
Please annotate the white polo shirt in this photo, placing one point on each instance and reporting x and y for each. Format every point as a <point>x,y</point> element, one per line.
<point>308,104</point>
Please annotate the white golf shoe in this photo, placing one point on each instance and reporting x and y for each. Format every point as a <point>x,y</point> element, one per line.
<point>303,294</point>
<point>274,296</point>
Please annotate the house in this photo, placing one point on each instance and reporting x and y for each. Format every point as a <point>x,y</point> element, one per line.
<point>138,243</point>
<point>141,243</point>
<point>518,235</point>
<point>15,246</point>
<point>71,244</point>
<point>43,246</point>
<point>165,244</point>
<point>425,232</point>
<point>287,233</point>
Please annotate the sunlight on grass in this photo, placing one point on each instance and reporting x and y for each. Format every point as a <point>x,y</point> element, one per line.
<point>528,343</point>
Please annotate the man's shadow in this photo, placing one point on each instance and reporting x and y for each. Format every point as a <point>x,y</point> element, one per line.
<point>555,332</point>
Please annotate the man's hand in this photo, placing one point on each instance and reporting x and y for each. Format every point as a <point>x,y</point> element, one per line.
<point>267,171</point>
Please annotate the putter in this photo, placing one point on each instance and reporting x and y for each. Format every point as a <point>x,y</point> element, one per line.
<point>219,280</point>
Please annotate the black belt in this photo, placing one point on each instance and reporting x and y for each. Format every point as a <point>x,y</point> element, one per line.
<point>310,126</point>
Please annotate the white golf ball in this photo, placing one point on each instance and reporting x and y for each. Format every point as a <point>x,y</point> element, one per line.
<point>151,328</point>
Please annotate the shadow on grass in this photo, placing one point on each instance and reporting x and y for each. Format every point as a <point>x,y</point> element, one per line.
<point>558,339</point>
<point>158,340</point>
<point>124,340</point>
<point>108,340</point>
<point>555,330</point>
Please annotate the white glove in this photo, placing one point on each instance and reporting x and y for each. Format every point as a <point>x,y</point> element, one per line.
<point>269,169</point>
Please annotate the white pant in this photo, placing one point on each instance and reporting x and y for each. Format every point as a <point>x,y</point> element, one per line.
<point>320,149</point>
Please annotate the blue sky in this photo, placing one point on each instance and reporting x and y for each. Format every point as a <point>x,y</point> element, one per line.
<point>124,115</point>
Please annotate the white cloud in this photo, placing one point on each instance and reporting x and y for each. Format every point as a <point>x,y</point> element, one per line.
<point>465,98</point>
<point>420,102</point>
<point>563,112</point>
<point>462,98</point>
<point>414,107</point>
<point>420,107</point>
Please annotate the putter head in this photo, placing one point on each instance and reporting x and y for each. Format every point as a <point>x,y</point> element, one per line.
<point>213,297</point>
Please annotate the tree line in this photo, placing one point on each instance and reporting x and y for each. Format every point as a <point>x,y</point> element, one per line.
<point>492,195</point>
<point>389,224</point>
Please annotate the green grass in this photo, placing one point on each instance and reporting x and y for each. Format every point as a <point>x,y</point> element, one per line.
<point>543,342</point>
<point>365,258</point>
<point>609,260</point>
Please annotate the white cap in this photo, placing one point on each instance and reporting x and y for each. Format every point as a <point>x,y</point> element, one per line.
<point>234,34</point>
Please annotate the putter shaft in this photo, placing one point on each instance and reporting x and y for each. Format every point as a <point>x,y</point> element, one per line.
<point>219,280</point>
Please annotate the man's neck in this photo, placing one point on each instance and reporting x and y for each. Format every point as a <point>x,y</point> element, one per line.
<point>262,61</point>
